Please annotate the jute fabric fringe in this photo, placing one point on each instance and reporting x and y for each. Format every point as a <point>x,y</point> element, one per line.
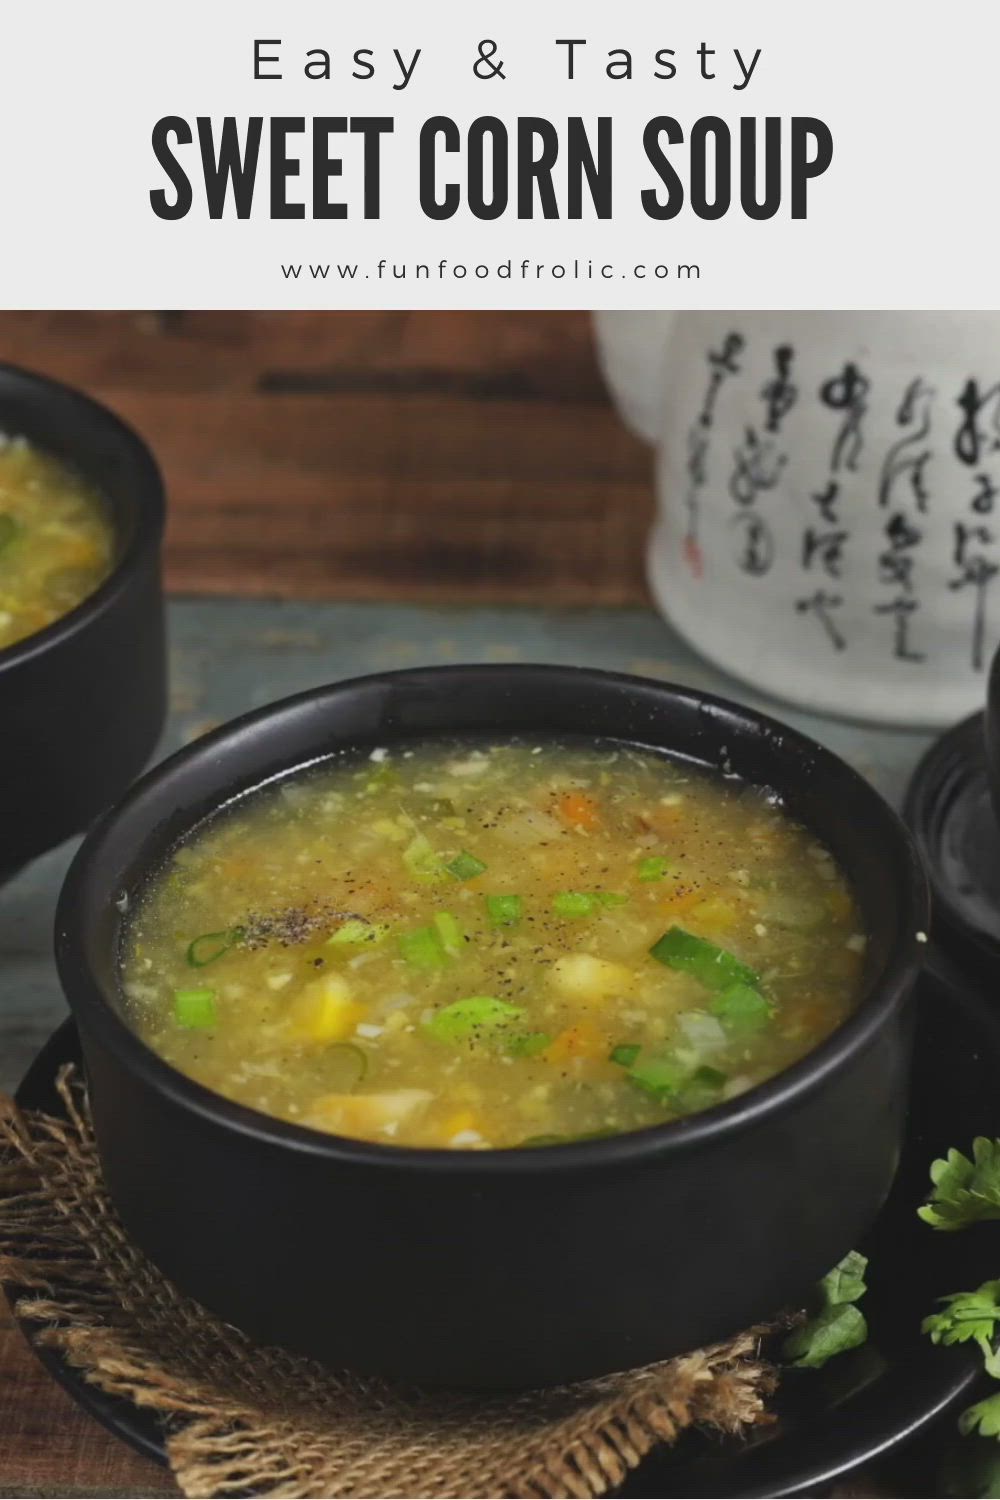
<point>242,1420</point>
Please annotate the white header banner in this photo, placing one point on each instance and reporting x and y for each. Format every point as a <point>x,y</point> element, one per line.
<point>706,153</point>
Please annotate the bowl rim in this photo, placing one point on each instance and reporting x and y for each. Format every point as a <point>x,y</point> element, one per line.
<point>95,1012</point>
<point>146,504</point>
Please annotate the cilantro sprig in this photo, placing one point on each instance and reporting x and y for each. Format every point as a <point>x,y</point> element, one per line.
<point>983,1417</point>
<point>966,1191</point>
<point>966,1316</point>
<point>837,1325</point>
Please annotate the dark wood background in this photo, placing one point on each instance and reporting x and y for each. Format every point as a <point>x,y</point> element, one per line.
<point>445,457</point>
<point>428,456</point>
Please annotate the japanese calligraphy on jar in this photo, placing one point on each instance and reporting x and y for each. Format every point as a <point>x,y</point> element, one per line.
<point>829,505</point>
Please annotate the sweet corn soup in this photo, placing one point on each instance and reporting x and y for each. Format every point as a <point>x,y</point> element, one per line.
<point>56,541</point>
<point>493,945</point>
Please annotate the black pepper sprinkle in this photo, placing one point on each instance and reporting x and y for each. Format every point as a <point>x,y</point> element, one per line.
<point>295,925</point>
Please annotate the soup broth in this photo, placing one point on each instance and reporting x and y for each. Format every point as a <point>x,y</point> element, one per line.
<point>493,946</point>
<point>56,542</point>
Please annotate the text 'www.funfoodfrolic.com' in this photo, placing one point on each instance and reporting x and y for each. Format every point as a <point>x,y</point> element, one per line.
<point>502,270</point>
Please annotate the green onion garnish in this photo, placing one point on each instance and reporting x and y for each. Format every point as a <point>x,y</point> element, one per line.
<point>355,930</point>
<point>195,1009</point>
<point>383,775</point>
<point>713,966</point>
<point>423,948</point>
<point>658,1074</point>
<point>421,859</point>
<point>465,1019</point>
<point>451,935</point>
<point>210,946</point>
<point>504,911</point>
<point>574,904</point>
<point>465,866</point>
<point>652,868</point>
<point>529,1044</point>
<point>669,1078</point>
<point>742,1008</point>
<point>702,1088</point>
<point>585,903</point>
<point>708,1078</point>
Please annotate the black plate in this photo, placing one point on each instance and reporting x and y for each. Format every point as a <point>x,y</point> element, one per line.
<point>862,1404</point>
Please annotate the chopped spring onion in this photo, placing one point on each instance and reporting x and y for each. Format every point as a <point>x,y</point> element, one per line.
<point>713,966</point>
<point>585,903</point>
<point>356,930</point>
<point>742,1008</point>
<point>668,1078</point>
<point>652,868</point>
<point>574,904</point>
<point>465,866</point>
<point>383,775</point>
<point>658,1074</point>
<point>423,948</point>
<point>212,945</point>
<point>702,1033</point>
<point>466,1019</point>
<point>9,529</point>
<point>702,1088</point>
<point>504,911</point>
<point>421,859</point>
<point>451,935</point>
<point>195,1009</point>
<point>529,1044</point>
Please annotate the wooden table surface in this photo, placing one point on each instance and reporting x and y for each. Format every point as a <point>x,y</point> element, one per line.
<point>445,457</point>
<point>424,459</point>
<point>423,456</point>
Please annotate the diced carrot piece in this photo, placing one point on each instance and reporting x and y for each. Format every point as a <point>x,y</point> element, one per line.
<point>583,1039</point>
<point>579,810</point>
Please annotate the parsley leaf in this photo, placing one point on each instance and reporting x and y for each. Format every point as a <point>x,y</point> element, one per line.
<point>983,1418</point>
<point>836,1329</point>
<point>838,1325</point>
<point>846,1282</point>
<point>965,1192</point>
<point>969,1315</point>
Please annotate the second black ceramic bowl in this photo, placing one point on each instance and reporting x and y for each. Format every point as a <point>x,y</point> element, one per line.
<point>505,1268</point>
<point>82,702</point>
<point>991,732</point>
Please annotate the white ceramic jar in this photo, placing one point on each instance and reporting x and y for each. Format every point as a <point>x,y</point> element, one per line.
<point>829,503</point>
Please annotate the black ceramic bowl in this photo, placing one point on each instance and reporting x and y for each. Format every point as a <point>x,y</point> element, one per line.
<point>82,702</point>
<point>500,1268</point>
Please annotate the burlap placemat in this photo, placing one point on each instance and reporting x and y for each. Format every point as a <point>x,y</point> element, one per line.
<point>240,1419</point>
